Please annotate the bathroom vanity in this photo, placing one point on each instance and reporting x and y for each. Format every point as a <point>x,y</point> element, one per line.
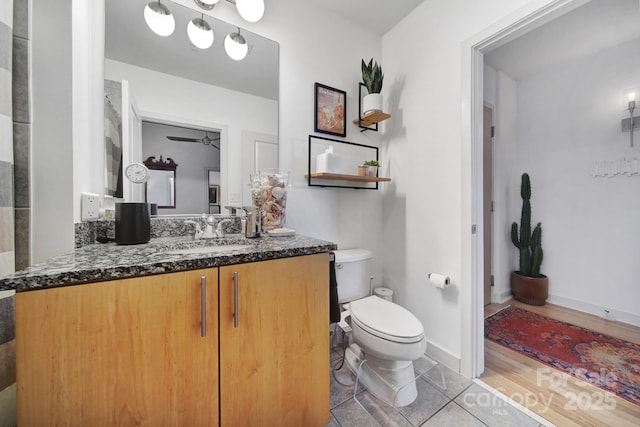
<point>240,340</point>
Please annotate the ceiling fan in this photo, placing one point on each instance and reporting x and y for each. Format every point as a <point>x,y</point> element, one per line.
<point>206,140</point>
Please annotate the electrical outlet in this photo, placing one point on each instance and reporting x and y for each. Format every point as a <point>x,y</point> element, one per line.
<point>90,206</point>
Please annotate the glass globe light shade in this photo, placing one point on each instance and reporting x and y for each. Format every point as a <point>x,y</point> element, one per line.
<point>250,10</point>
<point>200,33</point>
<point>159,19</point>
<point>236,46</point>
<point>206,4</point>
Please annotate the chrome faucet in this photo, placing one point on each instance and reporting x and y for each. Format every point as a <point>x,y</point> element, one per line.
<point>197,229</point>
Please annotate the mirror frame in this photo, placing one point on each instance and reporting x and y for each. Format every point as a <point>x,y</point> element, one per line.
<point>161,165</point>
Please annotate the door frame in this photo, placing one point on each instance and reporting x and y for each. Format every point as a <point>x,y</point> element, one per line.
<point>532,15</point>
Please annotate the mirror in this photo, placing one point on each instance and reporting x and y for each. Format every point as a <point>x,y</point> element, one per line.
<point>167,80</point>
<point>160,188</point>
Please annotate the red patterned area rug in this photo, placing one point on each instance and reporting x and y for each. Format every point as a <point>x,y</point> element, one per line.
<point>604,361</point>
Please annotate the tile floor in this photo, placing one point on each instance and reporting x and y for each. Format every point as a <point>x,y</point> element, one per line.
<point>462,403</point>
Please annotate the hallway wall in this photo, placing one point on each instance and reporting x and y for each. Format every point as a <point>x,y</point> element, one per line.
<point>568,118</point>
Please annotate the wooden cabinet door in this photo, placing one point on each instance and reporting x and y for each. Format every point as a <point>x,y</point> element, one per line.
<point>274,366</point>
<point>119,353</point>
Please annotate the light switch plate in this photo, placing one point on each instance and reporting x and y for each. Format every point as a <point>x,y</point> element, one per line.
<point>90,206</point>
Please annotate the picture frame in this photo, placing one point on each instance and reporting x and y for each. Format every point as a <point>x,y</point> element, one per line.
<point>330,110</point>
<point>214,190</point>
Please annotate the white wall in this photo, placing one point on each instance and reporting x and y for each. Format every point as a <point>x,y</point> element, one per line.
<point>568,118</point>
<point>188,101</point>
<point>423,208</point>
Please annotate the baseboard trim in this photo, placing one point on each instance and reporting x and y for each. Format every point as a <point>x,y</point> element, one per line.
<point>443,356</point>
<point>596,310</point>
<point>502,297</point>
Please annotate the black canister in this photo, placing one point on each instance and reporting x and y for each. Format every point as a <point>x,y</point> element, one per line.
<point>133,223</point>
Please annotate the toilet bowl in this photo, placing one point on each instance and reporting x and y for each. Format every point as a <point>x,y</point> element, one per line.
<point>386,337</point>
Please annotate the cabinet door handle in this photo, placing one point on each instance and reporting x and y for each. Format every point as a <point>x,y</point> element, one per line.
<point>235,299</point>
<point>203,306</point>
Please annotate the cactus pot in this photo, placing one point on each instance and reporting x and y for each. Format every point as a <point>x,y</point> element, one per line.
<point>530,290</point>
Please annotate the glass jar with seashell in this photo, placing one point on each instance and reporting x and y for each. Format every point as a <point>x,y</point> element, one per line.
<point>273,196</point>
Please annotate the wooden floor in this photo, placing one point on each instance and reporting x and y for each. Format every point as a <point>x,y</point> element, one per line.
<point>557,397</point>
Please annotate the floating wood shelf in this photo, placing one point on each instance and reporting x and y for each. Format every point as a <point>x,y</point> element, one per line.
<point>343,177</point>
<point>372,118</point>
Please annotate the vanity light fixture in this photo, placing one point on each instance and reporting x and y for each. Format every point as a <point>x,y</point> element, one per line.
<point>159,18</point>
<point>200,33</point>
<point>249,10</point>
<point>630,123</point>
<point>236,46</point>
<point>206,4</point>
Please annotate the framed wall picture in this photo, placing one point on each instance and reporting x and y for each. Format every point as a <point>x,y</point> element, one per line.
<point>330,110</point>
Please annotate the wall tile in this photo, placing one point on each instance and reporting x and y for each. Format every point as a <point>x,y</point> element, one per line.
<point>21,18</point>
<point>7,324</point>
<point>5,92</point>
<point>22,238</point>
<point>21,93</point>
<point>6,229</point>
<point>6,134</point>
<point>5,46</point>
<point>7,364</point>
<point>6,12</point>
<point>6,189</point>
<point>7,265</point>
<point>21,153</point>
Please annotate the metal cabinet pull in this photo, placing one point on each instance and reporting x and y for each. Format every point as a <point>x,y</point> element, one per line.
<point>235,299</point>
<point>203,306</point>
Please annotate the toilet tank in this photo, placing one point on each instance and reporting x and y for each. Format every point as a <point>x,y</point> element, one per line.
<point>353,273</point>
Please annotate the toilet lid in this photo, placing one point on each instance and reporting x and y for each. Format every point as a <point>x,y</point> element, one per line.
<point>386,319</point>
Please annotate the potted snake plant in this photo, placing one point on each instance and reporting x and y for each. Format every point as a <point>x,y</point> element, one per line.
<point>528,285</point>
<point>372,78</point>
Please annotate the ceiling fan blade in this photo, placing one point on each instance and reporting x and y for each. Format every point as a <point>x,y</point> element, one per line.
<point>179,138</point>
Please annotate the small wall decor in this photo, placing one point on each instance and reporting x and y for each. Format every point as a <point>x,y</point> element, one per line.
<point>330,108</point>
<point>213,194</point>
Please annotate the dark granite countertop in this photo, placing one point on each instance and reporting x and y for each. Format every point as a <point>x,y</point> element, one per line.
<point>98,262</point>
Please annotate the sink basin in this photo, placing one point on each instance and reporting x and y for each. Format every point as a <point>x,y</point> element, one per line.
<point>208,249</point>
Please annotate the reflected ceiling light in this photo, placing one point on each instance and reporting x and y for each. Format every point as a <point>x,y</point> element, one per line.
<point>630,123</point>
<point>200,33</point>
<point>159,18</point>
<point>250,10</point>
<point>236,46</point>
<point>206,4</point>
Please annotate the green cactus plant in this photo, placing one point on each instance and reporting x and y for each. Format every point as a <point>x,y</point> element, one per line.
<point>529,244</point>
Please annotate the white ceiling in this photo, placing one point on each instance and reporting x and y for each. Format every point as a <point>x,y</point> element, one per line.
<point>589,29</point>
<point>378,16</point>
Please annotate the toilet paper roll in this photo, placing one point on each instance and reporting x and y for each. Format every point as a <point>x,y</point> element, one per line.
<point>384,293</point>
<point>439,280</point>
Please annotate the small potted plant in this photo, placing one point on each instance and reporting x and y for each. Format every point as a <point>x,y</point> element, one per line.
<point>527,284</point>
<point>373,167</point>
<point>372,78</point>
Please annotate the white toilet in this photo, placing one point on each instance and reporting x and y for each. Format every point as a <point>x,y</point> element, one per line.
<point>385,334</point>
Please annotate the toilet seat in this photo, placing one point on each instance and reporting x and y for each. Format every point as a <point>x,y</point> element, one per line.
<point>386,320</point>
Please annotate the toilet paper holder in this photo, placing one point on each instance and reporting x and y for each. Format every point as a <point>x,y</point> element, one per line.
<point>439,280</point>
